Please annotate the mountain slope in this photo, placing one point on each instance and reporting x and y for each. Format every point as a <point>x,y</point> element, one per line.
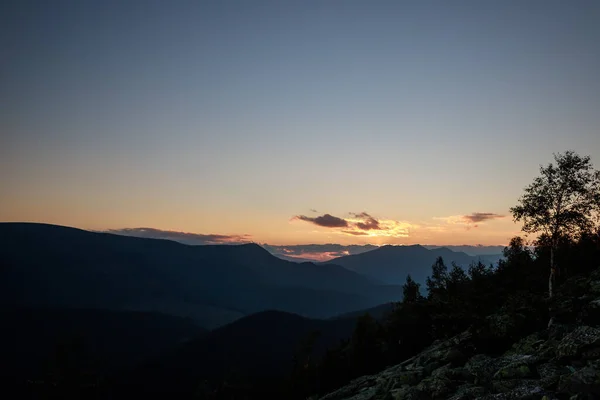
<point>260,346</point>
<point>32,341</point>
<point>391,264</point>
<point>48,265</point>
<point>379,312</point>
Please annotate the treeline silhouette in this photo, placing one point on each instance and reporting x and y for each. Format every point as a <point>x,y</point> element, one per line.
<point>500,304</point>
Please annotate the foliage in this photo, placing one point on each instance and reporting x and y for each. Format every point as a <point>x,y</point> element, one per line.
<point>436,283</point>
<point>411,291</point>
<point>563,200</point>
<point>562,203</point>
<point>498,304</point>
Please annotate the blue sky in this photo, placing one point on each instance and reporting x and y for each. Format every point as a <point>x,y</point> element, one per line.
<point>234,117</point>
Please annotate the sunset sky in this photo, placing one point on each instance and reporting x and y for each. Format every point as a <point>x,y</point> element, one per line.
<point>292,122</point>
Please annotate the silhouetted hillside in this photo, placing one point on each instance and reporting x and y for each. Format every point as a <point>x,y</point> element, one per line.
<point>54,266</point>
<point>35,343</point>
<point>260,346</point>
<point>379,312</point>
<point>391,264</point>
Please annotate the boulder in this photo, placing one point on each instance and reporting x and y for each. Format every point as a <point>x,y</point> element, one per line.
<point>584,381</point>
<point>574,343</point>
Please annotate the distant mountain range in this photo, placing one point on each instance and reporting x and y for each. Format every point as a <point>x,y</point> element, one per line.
<point>53,266</point>
<point>478,250</point>
<point>392,264</point>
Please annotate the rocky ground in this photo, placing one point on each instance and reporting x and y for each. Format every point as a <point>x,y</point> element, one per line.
<point>561,362</point>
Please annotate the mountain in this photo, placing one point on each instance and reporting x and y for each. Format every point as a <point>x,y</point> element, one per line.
<point>379,312</point>
<point>478,250</point>
<point>53,266</point>
<point>34,341</point>
<point>260,346</point>
<point>391,264</point>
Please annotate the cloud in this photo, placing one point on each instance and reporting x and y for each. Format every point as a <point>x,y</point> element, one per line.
<point>368,222</point>
<point>182,237</point>
<point>472,219</point>
<point>326,220</point>
<point>360,224</point>
<point>480,217</point>
<point>356,233</point>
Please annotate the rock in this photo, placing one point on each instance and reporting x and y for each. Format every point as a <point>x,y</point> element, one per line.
<point>435,388</point>
<point>528,345</point>
<point>407,393</point>
<point>550,374</point>
<point>523,390</point>
<point>455,357</point>
<point>485,368</point>
<point>441,372</point>
<point>509,385</point>
<point>590,315</point>
<point>514,371</point>
<point>468,392</point>
<point>584,381</point>
<point>455,374</point>
<point>594,287</point>
<point>363,388</point>
<point>574,343</point>
<point>559,331</point>
<point>409,377</point>
<point>560,362</point>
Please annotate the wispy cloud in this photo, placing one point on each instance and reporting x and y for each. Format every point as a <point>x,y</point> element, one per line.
<point>480,217</point>
<point>182,237</point>
<point>470,221</point>
<point>356,233</point>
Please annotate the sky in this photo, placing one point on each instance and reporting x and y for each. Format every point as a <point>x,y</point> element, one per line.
<point>292,122</point>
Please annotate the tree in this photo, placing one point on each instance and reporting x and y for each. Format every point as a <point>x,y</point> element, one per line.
<point>436,284</point>
<point>562,202</point>
<point>365,345</point>
<point>478,271</point>
<point>517,252</point>
<point>411,290</point>
<point>457,277</point>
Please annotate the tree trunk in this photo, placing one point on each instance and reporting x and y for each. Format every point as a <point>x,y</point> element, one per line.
<point>551,278</point>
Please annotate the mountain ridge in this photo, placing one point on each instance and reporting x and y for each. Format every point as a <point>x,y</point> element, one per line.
<point>391,264</point>
<point>46,264</point>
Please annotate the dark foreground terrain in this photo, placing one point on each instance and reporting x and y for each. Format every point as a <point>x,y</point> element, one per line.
<point>481,332</point>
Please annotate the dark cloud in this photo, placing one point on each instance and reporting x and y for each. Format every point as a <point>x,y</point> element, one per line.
<point>368,222</point>
<point>182,237</point>
<point>480,217</point>
<point>326,220</point>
